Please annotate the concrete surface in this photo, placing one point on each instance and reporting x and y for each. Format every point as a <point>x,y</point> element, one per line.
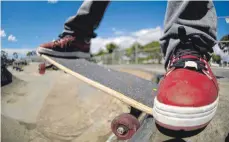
<point>56,107</point>
<point>28,86</point>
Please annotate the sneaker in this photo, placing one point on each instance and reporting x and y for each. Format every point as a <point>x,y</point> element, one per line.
<point>66,46</point>
<point>188,93</point>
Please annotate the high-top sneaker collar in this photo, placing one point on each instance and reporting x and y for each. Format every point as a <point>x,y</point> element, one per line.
<point>187,56</point>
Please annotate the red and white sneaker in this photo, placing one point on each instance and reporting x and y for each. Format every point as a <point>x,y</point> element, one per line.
<point>67,46</point>
<point>188,94</point>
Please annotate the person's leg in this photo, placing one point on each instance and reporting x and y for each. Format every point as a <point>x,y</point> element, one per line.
<point>188,94</point>
<point>199,21</point>
<point>74,42</point>
<point>87,18</point>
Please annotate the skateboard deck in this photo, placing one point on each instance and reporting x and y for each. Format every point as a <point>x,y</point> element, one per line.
<point>132,90</point>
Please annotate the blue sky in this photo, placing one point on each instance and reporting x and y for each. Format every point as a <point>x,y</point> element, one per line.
<point>28,24</point>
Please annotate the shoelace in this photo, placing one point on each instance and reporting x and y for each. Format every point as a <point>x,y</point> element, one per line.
<point>181,63</point>
<point>188,46</point>
<point>63,41</point>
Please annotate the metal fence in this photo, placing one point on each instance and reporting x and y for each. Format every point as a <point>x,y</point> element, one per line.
<point>138,57</point>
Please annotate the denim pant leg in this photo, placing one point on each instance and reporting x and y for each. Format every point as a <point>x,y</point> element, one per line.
<point>198,20</point>
<point>87,18</point>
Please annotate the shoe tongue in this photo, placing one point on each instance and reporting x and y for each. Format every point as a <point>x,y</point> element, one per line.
<point>186,51</point>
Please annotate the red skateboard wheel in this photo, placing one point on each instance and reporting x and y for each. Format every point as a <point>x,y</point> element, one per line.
<point>42,68</point>
<point>124,126</point>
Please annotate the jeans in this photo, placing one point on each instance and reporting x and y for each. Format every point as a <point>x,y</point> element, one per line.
<point>193,20</point>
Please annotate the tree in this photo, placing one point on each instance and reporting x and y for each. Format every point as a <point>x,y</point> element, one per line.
<point>111,47</point>
<point>28,53</point>
<point>100,53</point>
<point>225,38</point>
<point>131,50</point>
<point>159,58</point>
<point>224,44</point>
<point>216,58</point>
<point>152,46</point>
<point>15,54</point>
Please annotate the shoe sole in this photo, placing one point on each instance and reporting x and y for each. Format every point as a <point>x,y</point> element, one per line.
<point>183,118</point>
<point>75,54</point>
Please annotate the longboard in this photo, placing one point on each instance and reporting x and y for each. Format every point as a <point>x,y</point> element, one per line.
<point>130,89</point>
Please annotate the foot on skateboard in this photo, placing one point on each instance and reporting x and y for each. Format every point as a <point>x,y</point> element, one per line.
<point>67,46</point>
<point>187,96</point>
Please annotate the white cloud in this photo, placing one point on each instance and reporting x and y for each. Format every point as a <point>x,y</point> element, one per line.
<point>121,41</point>
<point>52,1</point>
<point>2,34</point>
<point>143,32</point>
<point>12,38</point>
<point>117,32</point>
<point>142,36</point>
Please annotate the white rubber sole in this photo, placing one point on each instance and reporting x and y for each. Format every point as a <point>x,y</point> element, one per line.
<point>183,118</point>
<point>77,54</point>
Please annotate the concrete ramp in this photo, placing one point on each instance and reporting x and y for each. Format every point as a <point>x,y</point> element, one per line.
<point>57,107</point>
